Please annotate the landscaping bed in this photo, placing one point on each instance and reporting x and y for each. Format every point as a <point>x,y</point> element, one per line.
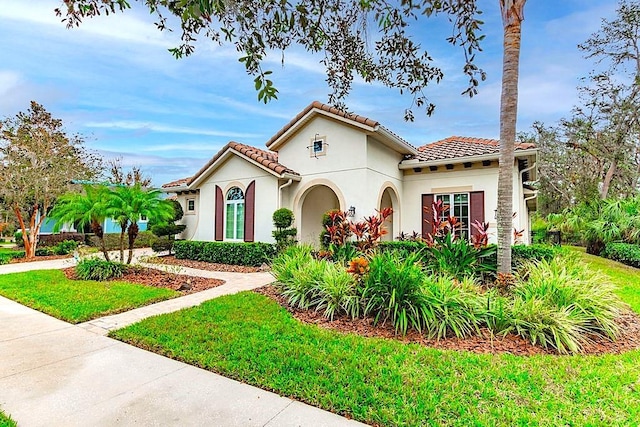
<point>39,258</point>
<point>160,279</point>
<point>484,342</point>
<point>210,266</point>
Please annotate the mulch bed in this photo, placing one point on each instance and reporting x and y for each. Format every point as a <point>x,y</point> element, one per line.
<point>211,266</point>
<point>39,258</point>
<point>629,338</point>
<point>161,279</point>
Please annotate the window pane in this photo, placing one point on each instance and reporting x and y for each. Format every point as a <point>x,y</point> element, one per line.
<point>230,221</point>
<point>235,194</point>
<point>240,221</point>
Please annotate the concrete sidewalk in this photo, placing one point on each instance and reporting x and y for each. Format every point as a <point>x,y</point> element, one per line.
<point>234,282</point>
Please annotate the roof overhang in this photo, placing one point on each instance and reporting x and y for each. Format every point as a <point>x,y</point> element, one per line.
<point>230,152</point>
<point>393,141</point>
<point>417,163</point>
<point>308,116</point>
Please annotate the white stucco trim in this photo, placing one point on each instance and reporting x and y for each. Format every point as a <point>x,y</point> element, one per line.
<point>298,199</point>
<point>416,163</point>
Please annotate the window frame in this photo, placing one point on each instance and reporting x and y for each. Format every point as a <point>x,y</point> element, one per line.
<point>312,146</point>
<point>235,203</point>
<point>187,210</point>
<point>466,225</point>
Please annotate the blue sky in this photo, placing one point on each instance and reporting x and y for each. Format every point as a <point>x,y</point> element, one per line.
<point>113,81</point>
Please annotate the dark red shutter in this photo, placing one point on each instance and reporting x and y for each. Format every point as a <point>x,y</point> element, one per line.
<point>427,214</point>
<point>476,209</point>
<point>219,217</point>
<point>249,212</point>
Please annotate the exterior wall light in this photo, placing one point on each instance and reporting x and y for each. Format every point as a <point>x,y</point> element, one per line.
<point>351,212</point>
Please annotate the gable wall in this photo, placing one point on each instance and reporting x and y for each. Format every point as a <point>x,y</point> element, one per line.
<point>237,172</point>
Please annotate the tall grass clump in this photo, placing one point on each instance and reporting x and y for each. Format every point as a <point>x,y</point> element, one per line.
<point>452,307</point>
<point>571,302</point>
<point>393,290</point>
<point>337,293</point>
<point>98,269</point>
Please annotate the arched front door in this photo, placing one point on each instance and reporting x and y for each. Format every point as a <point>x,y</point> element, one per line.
<point>389,199</point>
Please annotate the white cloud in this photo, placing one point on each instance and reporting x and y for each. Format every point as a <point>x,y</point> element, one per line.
<point>157,127</point>
<point>186,146</point>
<point>126,27</point>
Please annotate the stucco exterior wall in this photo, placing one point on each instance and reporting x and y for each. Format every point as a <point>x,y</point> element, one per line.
<point>236,172</point>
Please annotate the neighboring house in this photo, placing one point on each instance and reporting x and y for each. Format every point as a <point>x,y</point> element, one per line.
<point>327,159</point>
<point>109,226</point>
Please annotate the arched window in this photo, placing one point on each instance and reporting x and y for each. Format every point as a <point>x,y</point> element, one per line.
<point>234,214</point>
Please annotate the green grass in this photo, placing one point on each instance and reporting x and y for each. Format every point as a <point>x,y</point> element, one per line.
<point>77,301</point>
<point>626,278</point>
<point>6,421</point>
<point>250,338</point>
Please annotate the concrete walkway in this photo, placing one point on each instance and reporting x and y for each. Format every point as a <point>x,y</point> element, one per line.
<point>56,374</point>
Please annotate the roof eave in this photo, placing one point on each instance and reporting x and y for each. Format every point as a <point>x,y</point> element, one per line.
<point>396,143</point>
<point>417,163</point>
<point>274,145</point>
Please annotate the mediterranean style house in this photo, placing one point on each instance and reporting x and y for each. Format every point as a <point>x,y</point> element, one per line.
<point>327,159</point>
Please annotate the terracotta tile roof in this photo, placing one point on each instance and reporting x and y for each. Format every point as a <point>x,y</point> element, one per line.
<point>177,183</point>
<point>459,146</point>
<point>269,159</point>
<point>324,107</point>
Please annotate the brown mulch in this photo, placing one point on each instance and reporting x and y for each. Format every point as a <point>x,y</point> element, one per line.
<point>161,279</point>
<point>486,342</point>
<point>211,266</point>
<point>39,258</point>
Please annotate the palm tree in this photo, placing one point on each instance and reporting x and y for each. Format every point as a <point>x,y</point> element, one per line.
<point>129,204</point>
<point>90,208</point>
<point>512,17</point>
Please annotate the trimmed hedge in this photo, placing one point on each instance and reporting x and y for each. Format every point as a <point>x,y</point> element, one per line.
<point>626,253</point>
<point>112,240</point>
<point>240,253</point>
<point>50,240</point>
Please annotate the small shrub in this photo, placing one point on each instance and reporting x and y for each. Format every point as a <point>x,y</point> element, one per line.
<point>162,244</point>
<point>286,265</point>
<point>241,253</point>
<point>65,247</point>
<point>7,256</point>
<point>393,291</point>
<point>457,258</point>
<point>302,290</point>
<point>112,240</point>
<point>18,239</point>
<point>625,253</point>
<point>452,307</point>
<point>284,234</point>
<point>44,251</point>
<point>337,292</point>
<point>98,269</point>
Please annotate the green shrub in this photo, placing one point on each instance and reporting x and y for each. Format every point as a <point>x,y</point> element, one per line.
<point>337,292</point>
<point>98,269</point>
<point>558,303</point>
<point>303,289</point>
<point>282,218</point>
<point>163,244</point>
<point>44,251</point>
<point>18,238</point>
<point>286,265</point>
<point>452,307</point>
<point>625,253</point>
<point>7,256</point>
<point>112,240</point>
<point>393,290</point>
<point>458,258</point>
<point>65,247</point>
<point>402,247</point>
<point>51,240</point>
<point>240,253</point>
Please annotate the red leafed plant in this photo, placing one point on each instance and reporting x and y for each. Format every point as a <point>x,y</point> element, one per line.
<point>481,238</point>
<point>517,236</point>
<point>367,232</point>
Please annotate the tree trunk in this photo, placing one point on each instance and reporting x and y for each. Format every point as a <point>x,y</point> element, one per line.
<point>606,184</point>
<point>512,16</point>
<point>97,229</point>
<point>123,230</point>
<point>133,234</point>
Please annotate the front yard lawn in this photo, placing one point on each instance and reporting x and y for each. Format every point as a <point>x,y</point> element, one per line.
<point>77,301</point>
<point>251,338</point>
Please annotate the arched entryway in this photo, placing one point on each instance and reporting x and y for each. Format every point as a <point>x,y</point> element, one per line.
<point>314,203</point>
<point>389,199</point>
